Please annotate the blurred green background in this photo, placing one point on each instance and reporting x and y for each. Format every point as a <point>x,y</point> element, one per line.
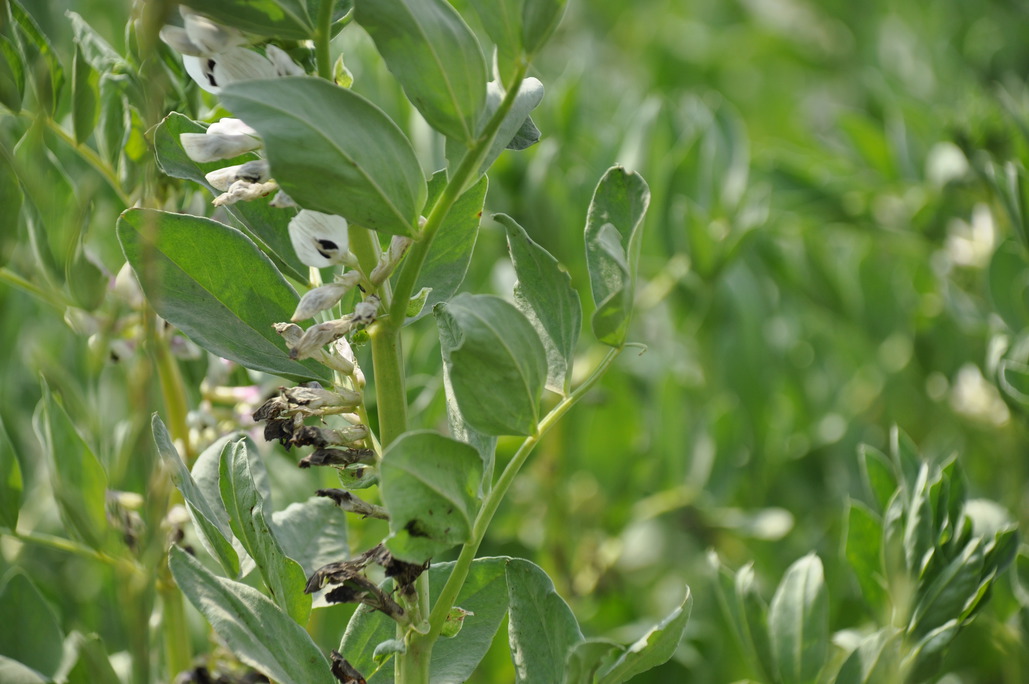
<point>832,248</point>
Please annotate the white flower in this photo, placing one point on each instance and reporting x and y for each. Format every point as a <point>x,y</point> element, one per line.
<point>224,139</point>
<point>255,171</point>
<point>215,56</point>
<point>244,191</point>
<point>320,240</point>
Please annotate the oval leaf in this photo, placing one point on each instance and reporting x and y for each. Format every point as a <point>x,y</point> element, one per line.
<point>31,633</point>
<point>253,627</point>
<point>265,225</point>
<point>214,284</point>
<point>434,55</point>
<point>211,523</point>
<point>612,250</point>
<point>10,481</point>
<point>653,648</point>
<point>544,293</point>
<point>798,621</point>
<point>496,363</point>
<point>541,627</point>
<point>539,21</point>
<point>282,575</point>
<point>430,487</point>
<point>274,18</point>
<point>333,151</point>
<point>77,478</point>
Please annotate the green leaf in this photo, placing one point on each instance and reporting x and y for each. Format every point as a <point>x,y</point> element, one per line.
<point>13,672</point>
<point>544,293</point>
<point>30,632</point>
<point>91,665</point>
<point>273,18</point>
<point>496,362</point>
<point>878,474</point>
<point>753,612</point>
<point>78,480</point>
<point>337,140</point>
<point>211,523</point>
<point>282,575</point>
<point>530,94</point>
<point>653,648</point>
<point>435,56</point>
<point>612,250</point>
<point>876,660</point>
<point>589,657</point>
<point>12,75</point>
<point>214,284</point>
<point>454,659</point>
<point>51,193</point>
<point>798,620</point>
<point>906,459</point>
<point>539,21</point>
<point>265,225</point>
<point>541,627</point>
<point>430,487</point>
<point>460,430</point>
<point>253,627</point>
<point>502,20</point>
<point>312,532</point>
<point>862,548</point>
<point>451,250</point>
<point>950,591</point>
<point>10,481</point>
<point>919,533</point>
<point>1008,279</point>
<point>41,59</point>
<point>97,52</point>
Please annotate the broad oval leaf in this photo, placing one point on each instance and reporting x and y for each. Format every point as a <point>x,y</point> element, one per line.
<point>333,151</point>
<point>10,481</point>
<point>541,627</point>
<point>282,575</point>
<point>211,522</point>
<point>544,293</point>
<point>30,633</point>
<point>653,648</point>
<point>430,486</point>
<point>612,250</point>
<point>267,226</point>
<point>496,363</point>
<point>502,20</point>
<point>273,18</point>
<point>214,284</point>
<point>798,621</point>
<point>77,478</point>
<point>254,628</point>
<point>436,58</point>
<point>539,21</point>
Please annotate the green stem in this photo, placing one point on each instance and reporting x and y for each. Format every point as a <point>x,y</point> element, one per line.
<point>93,159</point>
<point>450,590</point>
<point>12,278</point>
<point>173,389</point>
<point>322,40</point>
<point>469,166</point>
<point>62,544</point>
<point>177,651</point>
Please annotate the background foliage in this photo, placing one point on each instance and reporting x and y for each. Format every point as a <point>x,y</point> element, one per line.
<point>836,245</point>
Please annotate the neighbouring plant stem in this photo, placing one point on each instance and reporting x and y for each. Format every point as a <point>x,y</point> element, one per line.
<point>173,390</point>
<point>177,652</point>
<point>448,595</point>
<point>323,39</point>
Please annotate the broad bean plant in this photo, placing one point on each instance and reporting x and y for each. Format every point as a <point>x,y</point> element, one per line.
<point>332,200</point>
